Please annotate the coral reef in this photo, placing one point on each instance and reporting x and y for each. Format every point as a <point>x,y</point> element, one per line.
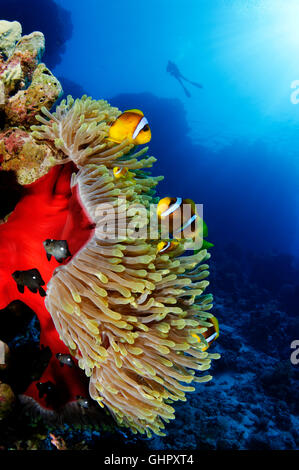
<point>49,17</point>
<point>123,311</point>
<point>43,90</point>
<point>25,87</point>
<point>10,34</point>
<point>20,153</point>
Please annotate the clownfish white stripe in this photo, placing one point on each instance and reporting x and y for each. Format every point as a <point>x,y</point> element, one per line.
<point>189,222</point>
<point>210,338</point>
<point>143,122</point>
<point>165,247</point>
<point>118,171</point>
<point>172,208</point>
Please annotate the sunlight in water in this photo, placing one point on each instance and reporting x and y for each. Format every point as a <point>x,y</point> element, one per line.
<point>280,18</point>
<point>285,16</point>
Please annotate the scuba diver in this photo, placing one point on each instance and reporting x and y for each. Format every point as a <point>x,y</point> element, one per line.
<point>174,71</point>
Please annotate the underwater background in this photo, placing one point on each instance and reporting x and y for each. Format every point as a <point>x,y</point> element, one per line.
<point>232,146</point>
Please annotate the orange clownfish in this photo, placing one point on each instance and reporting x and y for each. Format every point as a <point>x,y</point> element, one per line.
<point>179,216</point>
<point>211,334</point>
<point>119,172</point>
<point>131,125</point>
<point>166,246</point>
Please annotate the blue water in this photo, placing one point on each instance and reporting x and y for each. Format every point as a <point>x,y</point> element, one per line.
<point>233,145</point>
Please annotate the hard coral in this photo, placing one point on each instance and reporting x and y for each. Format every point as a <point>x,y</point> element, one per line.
<point>10,34</point>
<point>18,66</point>
<point>123,310</point>
<point>21,153</point>
<point>25,87</point>
<point>44,90</point>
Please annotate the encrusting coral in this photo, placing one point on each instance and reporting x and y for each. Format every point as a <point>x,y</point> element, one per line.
<point>126,312</point>
<point>10,34</point>
<point>25,87</point>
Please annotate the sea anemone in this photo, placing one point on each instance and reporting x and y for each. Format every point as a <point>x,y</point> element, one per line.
<point>125,312</point>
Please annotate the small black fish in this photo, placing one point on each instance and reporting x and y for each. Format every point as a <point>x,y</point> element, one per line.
<point>31,279</point>
<point>83,402</point>
<point>48,389</point>
<point>65,359</point>
<point>57,248</point>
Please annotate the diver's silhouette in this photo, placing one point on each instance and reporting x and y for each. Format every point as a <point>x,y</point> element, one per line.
<point>174,71</point>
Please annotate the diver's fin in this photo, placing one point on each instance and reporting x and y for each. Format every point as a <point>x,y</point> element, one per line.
<point>20,288</point>
<point>198,85</point>
<point>187,93</point>
<point>49,257</point>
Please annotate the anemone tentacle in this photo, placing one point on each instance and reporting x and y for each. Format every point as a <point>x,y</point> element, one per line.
<point>126,311</point>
